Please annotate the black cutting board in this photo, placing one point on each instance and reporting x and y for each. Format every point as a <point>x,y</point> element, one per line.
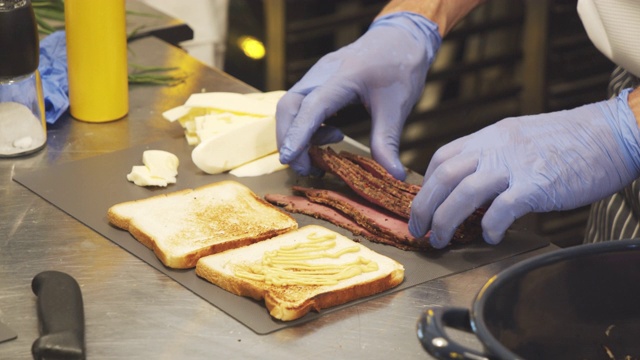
<point>85,189</point>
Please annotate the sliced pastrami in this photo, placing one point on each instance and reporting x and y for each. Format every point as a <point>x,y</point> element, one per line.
<point>375,219</point>
<point>371,166</point>
<point>302,205</point>
<point>362,182</point>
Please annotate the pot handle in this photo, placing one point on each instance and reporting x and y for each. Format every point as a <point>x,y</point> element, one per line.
<point>431,332</point>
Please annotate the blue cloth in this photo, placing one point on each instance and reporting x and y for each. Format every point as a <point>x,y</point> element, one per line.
<point>53,71</point>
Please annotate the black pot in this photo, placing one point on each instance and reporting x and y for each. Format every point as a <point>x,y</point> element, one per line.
<point>581,303</point>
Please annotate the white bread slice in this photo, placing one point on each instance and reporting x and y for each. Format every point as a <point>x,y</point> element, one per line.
<point>290,302</point>
<point>182,226</point>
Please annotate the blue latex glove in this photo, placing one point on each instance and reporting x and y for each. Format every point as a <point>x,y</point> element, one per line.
<point>385,69</point>
<point>556,161</point>
<point>53,72</point>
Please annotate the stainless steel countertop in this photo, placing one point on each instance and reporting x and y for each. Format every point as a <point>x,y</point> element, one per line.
<point>133,311</point>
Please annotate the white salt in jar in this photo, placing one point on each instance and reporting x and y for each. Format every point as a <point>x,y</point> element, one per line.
<point>22,118</point>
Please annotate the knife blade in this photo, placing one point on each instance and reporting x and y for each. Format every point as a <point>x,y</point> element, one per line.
<point>61,317</point>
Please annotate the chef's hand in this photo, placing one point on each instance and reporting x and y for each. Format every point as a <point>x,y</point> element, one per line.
<point>556,161</point>
<point>385,69</point>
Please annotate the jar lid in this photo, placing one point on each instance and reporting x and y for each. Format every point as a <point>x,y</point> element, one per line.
<point>18,38</point>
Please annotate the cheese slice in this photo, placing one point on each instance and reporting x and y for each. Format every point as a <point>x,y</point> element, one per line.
<point>263,166</point>
<point>229,130</point>
<point>160,169</point>
<point>176,113</point>
<point>162,164</point>
<point>210,125</point>
<point>236,147</point>
<point>141,176</point>
<point>260,104</point>
<point>271,97</point>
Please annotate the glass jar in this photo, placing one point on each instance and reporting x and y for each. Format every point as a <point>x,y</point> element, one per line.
<point>22,115</point>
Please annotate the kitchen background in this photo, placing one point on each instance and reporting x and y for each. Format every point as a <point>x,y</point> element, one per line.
<point>507,58</point>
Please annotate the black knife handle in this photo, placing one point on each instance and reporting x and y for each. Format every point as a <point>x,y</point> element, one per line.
<point>61,315</point>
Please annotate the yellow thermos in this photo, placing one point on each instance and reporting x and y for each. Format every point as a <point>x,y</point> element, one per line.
<point>97,59</point>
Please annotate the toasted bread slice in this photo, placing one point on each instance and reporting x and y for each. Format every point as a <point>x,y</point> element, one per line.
<point>307,277</point>
<point>182,226</point>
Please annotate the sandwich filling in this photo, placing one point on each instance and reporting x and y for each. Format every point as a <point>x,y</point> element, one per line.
<point>315,261</point>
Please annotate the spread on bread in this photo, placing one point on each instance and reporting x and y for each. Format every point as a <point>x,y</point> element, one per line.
<point>310,268</point>
<point>290,265</point>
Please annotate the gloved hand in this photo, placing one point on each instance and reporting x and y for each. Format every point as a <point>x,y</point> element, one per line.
<point>385,69</point>
<point>556,161</point>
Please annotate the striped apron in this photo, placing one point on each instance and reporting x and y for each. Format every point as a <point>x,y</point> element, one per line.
<point>618,216</point>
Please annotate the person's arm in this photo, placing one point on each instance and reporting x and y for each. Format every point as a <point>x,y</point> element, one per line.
<point>536,163</point>
<point>445,13</point>
<point>385,70</point>
<point>634,104</point>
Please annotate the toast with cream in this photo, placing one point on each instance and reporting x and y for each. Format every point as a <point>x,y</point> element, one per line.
<point>311,268</point>
<point>183,226</point>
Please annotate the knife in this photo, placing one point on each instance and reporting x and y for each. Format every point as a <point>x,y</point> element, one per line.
<point>61,317</point>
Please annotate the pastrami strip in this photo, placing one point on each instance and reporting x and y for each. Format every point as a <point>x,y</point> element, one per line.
<point>362,182</point>
<point>374,219</point>
<point>302,205</point>
<point>378,171</point>
<point>378,186</point>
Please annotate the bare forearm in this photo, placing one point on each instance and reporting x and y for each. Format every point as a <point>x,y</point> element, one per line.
<point>634,104</point>
<point>445,13</point>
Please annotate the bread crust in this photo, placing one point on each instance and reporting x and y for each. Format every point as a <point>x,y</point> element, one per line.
<point>291,302</point>
<point>332,298</point>
<point>287,312</point>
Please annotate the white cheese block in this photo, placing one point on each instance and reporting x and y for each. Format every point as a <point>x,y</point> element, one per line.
<point>229,130</point>
<point>162,164</point>
<point>192,139</point>
<point>271,97</point>
<point>176,113</point>
<point>237,146</point>
<point>263,166</point>
<point>261,105</point>
<point>160,169</point>
<point>141,176</point>
<point>214,124</point>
